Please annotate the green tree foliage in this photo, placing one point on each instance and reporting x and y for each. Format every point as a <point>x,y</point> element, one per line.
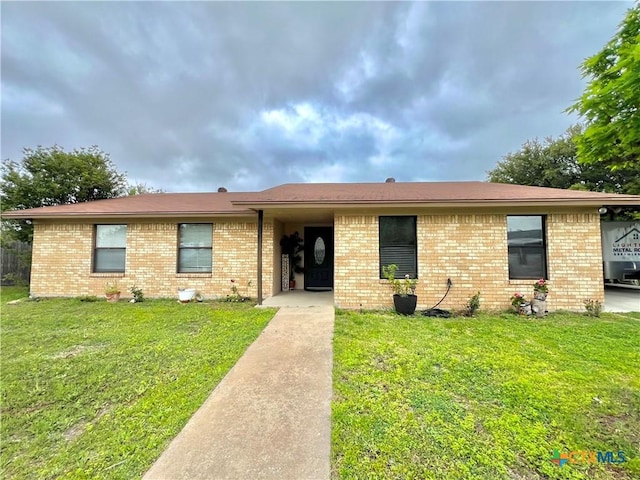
<point>51,176</point>
<point>610,104</point>
<point>141,189</point>
<point>554,163</point>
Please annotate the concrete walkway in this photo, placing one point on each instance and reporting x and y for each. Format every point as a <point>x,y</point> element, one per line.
<point>621,298</point>
<point>299,298</point>
<point>270,417</point>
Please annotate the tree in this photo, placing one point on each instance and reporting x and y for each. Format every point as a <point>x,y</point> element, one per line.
<point>610,103</point>
<point>51,176</point>
<point>554,163</point>
<point>141,189</point>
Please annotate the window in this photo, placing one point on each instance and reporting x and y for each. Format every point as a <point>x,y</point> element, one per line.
<point>194,247</point>
<point>398,245</point>
<point>527,247</point>
<point>110,249</point>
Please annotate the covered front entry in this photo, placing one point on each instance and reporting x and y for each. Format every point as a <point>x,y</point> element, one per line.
<point>318,258</point>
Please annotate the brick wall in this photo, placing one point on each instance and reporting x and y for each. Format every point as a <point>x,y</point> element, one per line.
<point>574,259</point>
<point>471,249</point>
<point>62,259</point>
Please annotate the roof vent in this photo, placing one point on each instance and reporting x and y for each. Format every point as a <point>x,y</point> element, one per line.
<point>222,189</point>
<point>390,180</point>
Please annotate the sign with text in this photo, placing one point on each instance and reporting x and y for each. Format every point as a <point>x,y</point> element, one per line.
<point>620,241</point>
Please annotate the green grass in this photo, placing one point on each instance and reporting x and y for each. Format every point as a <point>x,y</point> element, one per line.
<point>484,398</point>
<point>8,294</point>
<point>97,390</point>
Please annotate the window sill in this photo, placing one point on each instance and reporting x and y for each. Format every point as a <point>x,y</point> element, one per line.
<point>384,281</point>
<point>526,282</point>
<point>194,275</point>
<point>107,275</point>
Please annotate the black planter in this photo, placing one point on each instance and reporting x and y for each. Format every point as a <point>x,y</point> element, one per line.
<point>405,305</point>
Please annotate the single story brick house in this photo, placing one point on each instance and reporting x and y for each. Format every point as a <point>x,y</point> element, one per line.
<point>487,237</point>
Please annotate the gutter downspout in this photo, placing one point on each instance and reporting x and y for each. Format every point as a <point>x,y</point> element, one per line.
<point>260,222</point>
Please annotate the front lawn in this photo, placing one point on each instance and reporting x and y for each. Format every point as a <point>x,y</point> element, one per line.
<point>486,398</point>
<point>97,390</point>
<point>8,294</point>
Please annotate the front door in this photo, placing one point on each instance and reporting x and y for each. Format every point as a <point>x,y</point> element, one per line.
<point>318,258</point>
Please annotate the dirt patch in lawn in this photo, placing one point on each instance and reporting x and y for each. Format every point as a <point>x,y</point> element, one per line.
<point>77,350</point>
<point>78,429</point>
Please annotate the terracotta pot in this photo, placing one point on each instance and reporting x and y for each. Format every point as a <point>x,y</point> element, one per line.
<point>113,297</point>
<point>405,305</point>
<point>292,284</point>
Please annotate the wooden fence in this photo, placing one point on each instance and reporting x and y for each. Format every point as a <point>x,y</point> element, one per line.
<point>16,263</point>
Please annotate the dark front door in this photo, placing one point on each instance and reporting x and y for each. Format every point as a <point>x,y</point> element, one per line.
<point>318,258</point>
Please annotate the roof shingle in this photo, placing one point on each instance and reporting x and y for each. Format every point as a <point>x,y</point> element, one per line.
<point>150,204</point>
<point>335,194</point>
<point>418,192</point>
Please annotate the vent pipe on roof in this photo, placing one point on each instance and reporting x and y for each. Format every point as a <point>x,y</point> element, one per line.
<point>222,189</point>
<point>390,180</point>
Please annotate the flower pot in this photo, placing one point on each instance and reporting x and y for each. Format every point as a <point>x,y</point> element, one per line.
<point>113,297</point>
<point>185,295</point>
<point>542,296</point>
<point>405,305</point>
<point>525,308</point>
<point>292,284</point>
<point>539,307</point>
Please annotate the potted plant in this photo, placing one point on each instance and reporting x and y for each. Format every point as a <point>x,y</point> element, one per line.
<point>235,292</point>
<point>404,290</point>
<point>520,305</point>
<point>540,289</point>
<point>112,291</point>
<point>185,295</point>
<point>292,245</point>
<point>539,302</point>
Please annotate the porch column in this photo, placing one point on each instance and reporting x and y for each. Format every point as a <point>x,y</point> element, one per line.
<point>260,222</point>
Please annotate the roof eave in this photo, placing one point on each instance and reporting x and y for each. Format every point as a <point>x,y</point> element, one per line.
<point>442,204</point>
<point>62,216</point>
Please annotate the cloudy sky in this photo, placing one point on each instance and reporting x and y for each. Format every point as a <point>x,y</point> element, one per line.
<point>192,96</point>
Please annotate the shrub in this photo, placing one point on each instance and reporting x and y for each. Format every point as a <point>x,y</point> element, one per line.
<point>235,292</point>
<point>403,287</point>
<point>138,294</point>
<point>13,279</point>
<point>87,298</point>
<point>593,307</point>
<point>472,305</point>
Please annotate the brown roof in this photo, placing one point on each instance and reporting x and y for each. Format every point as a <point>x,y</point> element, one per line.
<point>426,193</point>
<point>328,194</point>
<point>148,205</point>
